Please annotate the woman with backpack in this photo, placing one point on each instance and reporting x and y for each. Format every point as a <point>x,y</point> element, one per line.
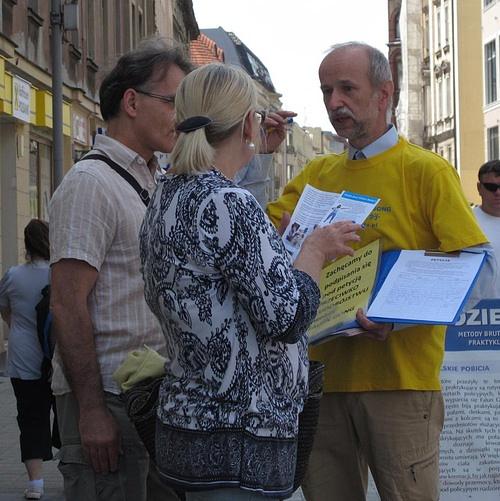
<point>20,291</point>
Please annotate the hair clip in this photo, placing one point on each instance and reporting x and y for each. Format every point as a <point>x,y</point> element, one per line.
<point>193,123</point>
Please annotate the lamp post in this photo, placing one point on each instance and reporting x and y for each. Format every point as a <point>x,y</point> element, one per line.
<point>63,16</point>
<point>56,23</point>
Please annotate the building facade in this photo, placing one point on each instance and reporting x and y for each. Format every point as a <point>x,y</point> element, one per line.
<point>217,44</point>
<point>394,45</point>
<point>297,150</point>
<point>491,72</point>
<point>440,100</point>
<point>105,30</point>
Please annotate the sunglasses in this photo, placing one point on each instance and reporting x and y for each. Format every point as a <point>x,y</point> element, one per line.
<point>493,187</point>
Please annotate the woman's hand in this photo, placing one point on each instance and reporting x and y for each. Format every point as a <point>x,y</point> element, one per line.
<point>332,240</point>
<point>274,130</point>
<point>324,244</point>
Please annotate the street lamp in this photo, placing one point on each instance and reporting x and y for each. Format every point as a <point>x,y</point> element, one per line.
<point>62,17</point>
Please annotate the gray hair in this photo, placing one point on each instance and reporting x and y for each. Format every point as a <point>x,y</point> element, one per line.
<point>223,93</point>
<point>379,70</point>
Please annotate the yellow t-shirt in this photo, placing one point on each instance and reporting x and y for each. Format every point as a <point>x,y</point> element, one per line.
<point>422,207</point>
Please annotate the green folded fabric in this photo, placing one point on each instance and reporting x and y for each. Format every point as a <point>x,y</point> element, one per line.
<point>139,365</point>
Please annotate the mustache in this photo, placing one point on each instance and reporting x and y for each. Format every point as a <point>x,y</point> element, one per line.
<point>342,112</point>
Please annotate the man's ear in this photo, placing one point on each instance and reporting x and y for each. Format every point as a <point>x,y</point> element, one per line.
<point>129,102</point>
<point>385,92</point>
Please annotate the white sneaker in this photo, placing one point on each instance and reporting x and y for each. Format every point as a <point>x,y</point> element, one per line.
<point>33,494</point>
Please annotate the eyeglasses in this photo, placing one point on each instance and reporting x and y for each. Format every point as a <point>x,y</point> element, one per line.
<point>493,187</point>
<point>166,99</point>
<point>261,116</point>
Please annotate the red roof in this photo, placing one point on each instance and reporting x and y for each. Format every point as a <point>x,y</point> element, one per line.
<point>203,50</point>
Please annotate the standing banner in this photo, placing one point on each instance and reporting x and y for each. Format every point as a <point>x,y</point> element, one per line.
<point>470,377</point>
<point>470,442</point>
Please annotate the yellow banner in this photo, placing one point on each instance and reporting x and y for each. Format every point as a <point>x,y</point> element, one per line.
<point>44,109</point>
<point>346,285</point>
<point>2,78</point>
<point>6,101</point>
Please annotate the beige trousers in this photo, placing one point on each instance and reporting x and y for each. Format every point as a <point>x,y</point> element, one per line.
<point>394,433</point>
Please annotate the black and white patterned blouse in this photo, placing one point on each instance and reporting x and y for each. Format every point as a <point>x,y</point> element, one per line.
<point>234,314</point>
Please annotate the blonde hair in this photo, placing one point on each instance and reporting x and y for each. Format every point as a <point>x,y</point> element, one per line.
<point>225,94</point>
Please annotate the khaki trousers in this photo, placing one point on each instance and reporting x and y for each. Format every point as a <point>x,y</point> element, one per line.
<point>135,480</point>
<point>394,433</point>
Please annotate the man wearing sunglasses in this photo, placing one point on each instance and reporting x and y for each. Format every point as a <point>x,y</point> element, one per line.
<point>488,213</point>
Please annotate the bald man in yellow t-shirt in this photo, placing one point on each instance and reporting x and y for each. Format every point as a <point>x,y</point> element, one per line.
<point>382,405</point>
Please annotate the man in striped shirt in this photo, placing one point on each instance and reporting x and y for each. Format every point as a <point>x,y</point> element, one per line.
<point>97,294</point>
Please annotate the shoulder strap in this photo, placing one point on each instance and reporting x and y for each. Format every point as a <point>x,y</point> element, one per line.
<point>143,193</point>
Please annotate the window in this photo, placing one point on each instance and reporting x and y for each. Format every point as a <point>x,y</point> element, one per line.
<point>425,34</point>
<point>490,72</point>
<point>438,28</point>
<point>6,27</point>
<point>90,30</point>
<point>427,104</point>
<point>134,32</point>
<point>445,97</point>
<point>450,155</point>
<point>137,25</point>
<point>118,27</point>
<point>397,30</point>
<point>105,33</point>
<point>448,91</point>
<point>492,138</point>
<point>140,20</point>
<point>446,24</point>
<point>40,179</point>
<point>440,99</point>
<point>33,38</point>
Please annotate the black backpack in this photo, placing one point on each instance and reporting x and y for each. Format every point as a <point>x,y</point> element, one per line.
<point>44,329</point>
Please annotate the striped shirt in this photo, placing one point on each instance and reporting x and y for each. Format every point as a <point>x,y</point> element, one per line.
<point>95,216</point>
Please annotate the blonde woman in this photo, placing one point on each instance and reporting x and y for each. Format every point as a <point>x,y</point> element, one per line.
<point>233,309</point>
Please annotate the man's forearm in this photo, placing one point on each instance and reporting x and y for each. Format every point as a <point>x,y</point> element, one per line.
<point>99,431</point>
<point>75,340</point>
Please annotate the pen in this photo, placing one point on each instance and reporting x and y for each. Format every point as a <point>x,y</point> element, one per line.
<point>287,121</point>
